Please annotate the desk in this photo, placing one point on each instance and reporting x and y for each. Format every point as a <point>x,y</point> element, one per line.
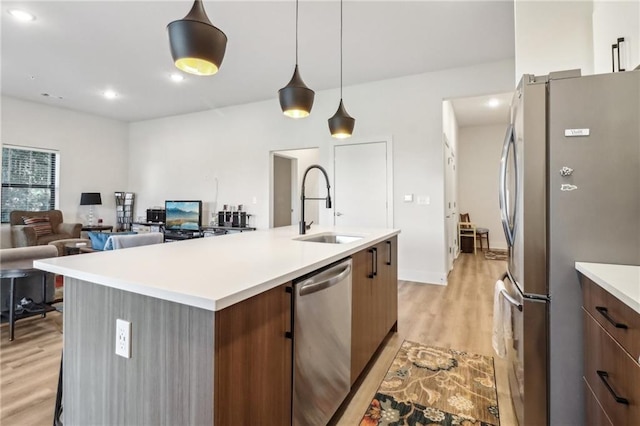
<point>98,228</point>
<point>14,271</point>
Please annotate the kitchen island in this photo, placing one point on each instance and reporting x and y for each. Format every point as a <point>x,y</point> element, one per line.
<point>209,321</point>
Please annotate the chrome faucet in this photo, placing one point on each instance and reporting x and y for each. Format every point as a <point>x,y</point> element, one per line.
<point>303,225</point>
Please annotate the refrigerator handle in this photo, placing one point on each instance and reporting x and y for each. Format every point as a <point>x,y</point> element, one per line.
<point>502,189</point>
<point>506,295</point>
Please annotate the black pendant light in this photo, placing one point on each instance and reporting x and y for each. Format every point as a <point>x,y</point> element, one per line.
<point>197,46</point>
<point>341,124</point>
<point>296,99</point>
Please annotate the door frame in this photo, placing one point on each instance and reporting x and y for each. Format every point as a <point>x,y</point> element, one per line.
<point>451,224</point>
<point>388,140</point>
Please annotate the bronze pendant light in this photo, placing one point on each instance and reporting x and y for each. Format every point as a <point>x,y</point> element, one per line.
<point>296,99</point>
<point>197,46</point>
<point>341,124</point>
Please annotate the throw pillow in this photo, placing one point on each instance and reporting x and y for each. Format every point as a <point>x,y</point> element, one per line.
<point>39,224</point>
<point>98,239</point>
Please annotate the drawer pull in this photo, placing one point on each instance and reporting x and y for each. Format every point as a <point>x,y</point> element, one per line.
<point>605,313</point>
<point>603,376</point>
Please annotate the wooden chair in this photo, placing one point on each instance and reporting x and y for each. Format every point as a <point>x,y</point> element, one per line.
<point>468,229</point>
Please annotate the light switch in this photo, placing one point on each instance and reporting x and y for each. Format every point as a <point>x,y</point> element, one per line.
<point>408,198</point>
<point>424,200</point>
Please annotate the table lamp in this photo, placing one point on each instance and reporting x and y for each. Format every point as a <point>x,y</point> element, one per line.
<point>90,199</point>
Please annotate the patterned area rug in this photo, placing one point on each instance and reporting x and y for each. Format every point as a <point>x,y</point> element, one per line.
<point>496,255</point>
<point>433,386</point>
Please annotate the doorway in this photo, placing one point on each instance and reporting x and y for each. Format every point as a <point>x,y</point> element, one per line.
<point>450,202</point>
<point>287,168</point>
<point>283,168</point>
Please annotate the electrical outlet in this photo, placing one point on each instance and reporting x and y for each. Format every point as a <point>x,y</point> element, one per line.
<point>123,338</point>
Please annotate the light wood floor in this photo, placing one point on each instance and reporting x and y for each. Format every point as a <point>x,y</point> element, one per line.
<point>457,316</point>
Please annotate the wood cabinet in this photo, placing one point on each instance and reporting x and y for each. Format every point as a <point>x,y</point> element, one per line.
<point>375,301</point>
<point>611,361</point>
<point>253,360</point>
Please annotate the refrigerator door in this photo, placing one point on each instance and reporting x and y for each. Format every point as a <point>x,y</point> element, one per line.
<point>527,353</point>
<point>594,208</point>
<point>524,188</point>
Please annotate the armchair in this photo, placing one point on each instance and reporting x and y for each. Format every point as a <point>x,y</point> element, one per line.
<point>48,226</point>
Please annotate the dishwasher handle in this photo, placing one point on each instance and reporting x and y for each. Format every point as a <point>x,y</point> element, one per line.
<point>312,286</point>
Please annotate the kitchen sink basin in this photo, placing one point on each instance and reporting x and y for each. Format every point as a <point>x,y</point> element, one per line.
<point>330,238</point>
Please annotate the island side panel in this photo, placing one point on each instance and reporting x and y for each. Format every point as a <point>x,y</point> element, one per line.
<point>167,380</point>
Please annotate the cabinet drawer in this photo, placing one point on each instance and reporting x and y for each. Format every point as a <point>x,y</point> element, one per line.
<point>594,414</point>
<point>608,311</point>
<point>610,373</point>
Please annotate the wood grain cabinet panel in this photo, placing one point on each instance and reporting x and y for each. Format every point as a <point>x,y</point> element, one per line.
<point>253,361</point>
<point>608,311</point>
<point>362,298</point>
<point>611,373</point>
<point>595,415</point>
<point>375,301</point>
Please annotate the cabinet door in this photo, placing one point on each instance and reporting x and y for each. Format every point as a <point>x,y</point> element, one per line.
<point>253,364</point>
<point>362,339</point>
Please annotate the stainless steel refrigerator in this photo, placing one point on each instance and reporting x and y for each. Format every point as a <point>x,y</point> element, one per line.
<point>569,191</point>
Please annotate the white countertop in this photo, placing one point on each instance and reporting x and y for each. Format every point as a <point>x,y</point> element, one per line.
<point>215,272</point>
<point>623,281</point>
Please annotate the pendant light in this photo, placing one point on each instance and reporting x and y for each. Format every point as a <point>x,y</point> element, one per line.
<point>341,124</point>
<point>296,99</point>
<point>197,46</point>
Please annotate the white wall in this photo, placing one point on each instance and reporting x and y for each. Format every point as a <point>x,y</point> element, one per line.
<point>179,157</point>
<point>478,167</point>
<point>613,19</point>
<point>553,36</point>
<point>93,152</point>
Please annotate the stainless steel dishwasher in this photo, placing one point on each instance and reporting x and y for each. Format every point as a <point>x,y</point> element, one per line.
<point>321,343</point>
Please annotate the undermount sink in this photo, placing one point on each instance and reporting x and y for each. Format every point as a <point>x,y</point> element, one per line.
<point>330,238</point>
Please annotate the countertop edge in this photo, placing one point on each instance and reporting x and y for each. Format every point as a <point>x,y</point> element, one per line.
<point>204,302</point>
<point>586,268</point>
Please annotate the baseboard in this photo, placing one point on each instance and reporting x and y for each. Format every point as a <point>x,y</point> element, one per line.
<point>424,277</point>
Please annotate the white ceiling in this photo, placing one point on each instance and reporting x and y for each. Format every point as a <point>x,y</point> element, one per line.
<point>77,49</point>
<point>479,111</point>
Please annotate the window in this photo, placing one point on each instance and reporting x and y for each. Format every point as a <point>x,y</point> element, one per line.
<point>29,180</point>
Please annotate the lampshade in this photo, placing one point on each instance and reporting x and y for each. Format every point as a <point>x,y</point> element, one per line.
<point>341,124</point>
<point>296,99</point>
<point>197,47</point>
<point>90,199</point>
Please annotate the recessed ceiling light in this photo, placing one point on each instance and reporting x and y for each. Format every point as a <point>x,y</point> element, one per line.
<point>47,95</point>
<point>110,94</point>
<point>21,15</point>
<point>177,77</point>
<point>493,103</point>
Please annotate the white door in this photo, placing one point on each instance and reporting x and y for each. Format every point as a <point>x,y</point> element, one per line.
<point>451,222</point>
<point>362,185</point>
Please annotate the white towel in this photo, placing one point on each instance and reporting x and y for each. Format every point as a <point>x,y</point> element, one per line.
<point>501,320</point>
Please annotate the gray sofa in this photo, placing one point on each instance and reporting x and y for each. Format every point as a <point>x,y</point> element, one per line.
<point>30,287</point>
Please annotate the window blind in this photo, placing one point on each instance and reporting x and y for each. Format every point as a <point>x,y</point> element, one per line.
<point>29,180</point>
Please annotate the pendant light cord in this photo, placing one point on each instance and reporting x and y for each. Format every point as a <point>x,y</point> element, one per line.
<point>296,32</point>
<point>341,50</point>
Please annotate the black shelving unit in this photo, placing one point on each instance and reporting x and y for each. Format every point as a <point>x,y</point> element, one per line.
<point>124,210</point>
